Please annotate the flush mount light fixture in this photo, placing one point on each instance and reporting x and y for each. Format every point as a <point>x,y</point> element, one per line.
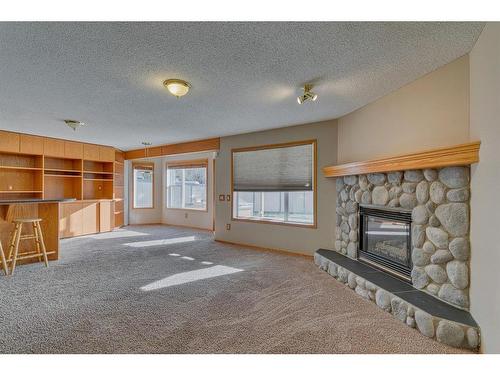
<point>177,87</point>
<point>308,95</point>
<point>73,124</point>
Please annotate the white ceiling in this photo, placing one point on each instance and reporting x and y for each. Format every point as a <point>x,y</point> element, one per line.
<point>245,76</point>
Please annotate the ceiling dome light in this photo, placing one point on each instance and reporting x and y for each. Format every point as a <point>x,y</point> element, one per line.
<point>177,87</point>
<point>308,95</point>
<point>74,124</point>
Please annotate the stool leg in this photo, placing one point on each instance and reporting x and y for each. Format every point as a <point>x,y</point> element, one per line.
<point>12,242</point>
<point>42,243</point>
<point>4,262</point>
<point>37,241</point>
<point>16,248</point>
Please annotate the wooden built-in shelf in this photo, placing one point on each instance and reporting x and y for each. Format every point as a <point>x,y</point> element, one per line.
<point>62,175</point>
<point>62,170</point>
<point>20,168</point>
<point>464,154</point>
<point>98,179</point>
<point>20,191</point>
<point>98,172</point>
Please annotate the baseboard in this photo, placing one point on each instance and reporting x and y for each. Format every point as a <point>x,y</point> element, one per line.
<point>187,226</point>
<point>260,248</point>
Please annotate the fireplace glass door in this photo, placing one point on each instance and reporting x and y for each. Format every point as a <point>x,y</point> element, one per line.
<point>386,240</point>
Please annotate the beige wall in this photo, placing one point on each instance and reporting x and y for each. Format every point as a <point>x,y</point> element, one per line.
<point>430,112</point>
<point>485,198</point>
<point>291,238</point>
<point>191,218</point>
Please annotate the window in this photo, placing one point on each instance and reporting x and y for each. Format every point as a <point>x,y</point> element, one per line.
<point>143,185</point>
<point>187,185</point>
<point>275,183</point>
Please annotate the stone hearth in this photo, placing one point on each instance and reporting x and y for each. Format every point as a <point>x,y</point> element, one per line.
<point>430,316</point>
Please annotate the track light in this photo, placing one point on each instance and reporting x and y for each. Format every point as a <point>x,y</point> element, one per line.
<point>308,95</point>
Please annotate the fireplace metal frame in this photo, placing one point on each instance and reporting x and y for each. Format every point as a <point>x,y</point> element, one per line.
<point>395,268</point>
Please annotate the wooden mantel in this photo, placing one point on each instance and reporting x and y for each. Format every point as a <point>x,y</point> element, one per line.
<point>464,154</point>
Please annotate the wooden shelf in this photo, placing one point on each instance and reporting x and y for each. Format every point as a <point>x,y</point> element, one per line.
<point>20,168</point>
<point>62,175</point>
<point>98,179</point>
<point>98,172</point>
<point>464,154</point>
<point>62,170</point>
<point>19,191</point>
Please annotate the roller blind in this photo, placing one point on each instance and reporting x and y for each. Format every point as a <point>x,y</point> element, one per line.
<point>285,168</point>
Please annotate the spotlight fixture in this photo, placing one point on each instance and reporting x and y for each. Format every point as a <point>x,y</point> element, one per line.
<point>177,87</point>
<point>73,124</point>
<point>308,95</point>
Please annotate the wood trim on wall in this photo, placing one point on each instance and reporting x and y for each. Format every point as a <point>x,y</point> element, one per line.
<point>314,142</point>
<point>463,154</point>
<point>211,144</point>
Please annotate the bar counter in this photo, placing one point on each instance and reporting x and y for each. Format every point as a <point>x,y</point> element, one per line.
<point>45,209</point>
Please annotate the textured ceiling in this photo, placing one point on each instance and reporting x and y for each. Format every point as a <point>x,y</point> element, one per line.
<point>245,76</point>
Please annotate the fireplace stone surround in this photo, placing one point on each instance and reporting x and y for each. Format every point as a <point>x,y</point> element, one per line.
<point>438,200</point>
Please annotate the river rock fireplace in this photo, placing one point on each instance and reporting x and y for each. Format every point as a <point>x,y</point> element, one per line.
<point>408,216</point>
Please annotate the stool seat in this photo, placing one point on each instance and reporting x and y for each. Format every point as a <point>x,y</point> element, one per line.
<point>17,236</point>
<point>27,220</point>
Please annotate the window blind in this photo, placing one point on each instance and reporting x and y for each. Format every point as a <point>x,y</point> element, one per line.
<point>203,163</point>
<point>283,168</point>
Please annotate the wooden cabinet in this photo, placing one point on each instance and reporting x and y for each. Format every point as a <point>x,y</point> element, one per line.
<point>73,150</point>
<point>90,212</point>
<point>86,217</point>
<point>90,152</point>
<point>106,154</point>
<point>9,142</point>
<point>71,219</point>
<point>31,144</point>
<point>106,216</point>
<point>53,147</point>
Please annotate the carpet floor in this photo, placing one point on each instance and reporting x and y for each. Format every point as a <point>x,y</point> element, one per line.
<point>162,289</point>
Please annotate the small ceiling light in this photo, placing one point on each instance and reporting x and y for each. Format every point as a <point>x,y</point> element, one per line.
<point>146,144</point>
<point>177,87</point>
<point>73,124</point>
<point>308,95</point>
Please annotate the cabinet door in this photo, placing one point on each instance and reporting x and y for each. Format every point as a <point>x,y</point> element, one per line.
<point>106,215</point>
<point>71,221</point>
<point>53,147</point>
<point>90,152</point>
<point>73,150</point>
<point>90,217</point>
<point>106,153</point>
<point>31,144</point>
<point>9,142</point>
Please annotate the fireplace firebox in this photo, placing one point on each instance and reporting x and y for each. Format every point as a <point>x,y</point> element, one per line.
<point>385,240</point>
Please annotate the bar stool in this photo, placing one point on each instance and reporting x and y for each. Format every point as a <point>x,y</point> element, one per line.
<point>4,262</point>
<point>17,236</point>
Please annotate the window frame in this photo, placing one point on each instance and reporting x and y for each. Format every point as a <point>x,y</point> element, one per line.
<point>134,167</point>
<point>312,225</point>
<point>198,163</point>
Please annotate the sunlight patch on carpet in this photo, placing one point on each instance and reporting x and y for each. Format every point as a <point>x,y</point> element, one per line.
<point>190,276</point>
<point>117,233</point>
<point>166,241</point>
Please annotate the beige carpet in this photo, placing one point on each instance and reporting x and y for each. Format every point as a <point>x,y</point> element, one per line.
<point>126,292</point>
